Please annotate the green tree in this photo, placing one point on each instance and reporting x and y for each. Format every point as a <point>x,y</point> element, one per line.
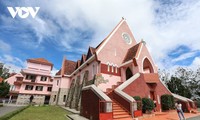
<point>176,86</point>
<point>4,89</point>
<point>4,86</point>
<point>4,72</point>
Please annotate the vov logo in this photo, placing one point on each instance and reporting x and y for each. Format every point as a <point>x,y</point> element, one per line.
<point>23,12</point>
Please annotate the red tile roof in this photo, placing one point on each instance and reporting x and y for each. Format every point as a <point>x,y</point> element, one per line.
<point>131,53</point>
<point>83,59</point>
<point>78,63</point>
<point>59,72</point>
<point>41,61</point>
<point>92,50</point>
<point>69,67</point>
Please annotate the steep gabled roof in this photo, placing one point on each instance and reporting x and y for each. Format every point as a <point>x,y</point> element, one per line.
<point>78,63</point>
<point>90,52</point>
<point>132,52</point>
<point>40,61</point>
<point>83,58</point>
<point>69,67</point>
<point>59,72</point>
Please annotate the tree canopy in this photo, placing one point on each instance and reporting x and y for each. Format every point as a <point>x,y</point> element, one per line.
<point>4,86</point>
<point>184,82</point>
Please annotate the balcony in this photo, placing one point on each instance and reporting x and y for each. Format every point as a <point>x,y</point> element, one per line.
<point>151,77</point>
<point>17,82</point>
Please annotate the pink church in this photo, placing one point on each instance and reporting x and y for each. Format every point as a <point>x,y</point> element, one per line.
<point>34,80</point>
<point>101,85</point>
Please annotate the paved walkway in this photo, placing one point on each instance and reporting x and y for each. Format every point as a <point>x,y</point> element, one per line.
<point>172,115</point>
<point>7,109</point>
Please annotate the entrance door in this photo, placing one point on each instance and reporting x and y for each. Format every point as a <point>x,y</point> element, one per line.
<point>129,73</point>
<point>152,95</point>
<point>46,100</point>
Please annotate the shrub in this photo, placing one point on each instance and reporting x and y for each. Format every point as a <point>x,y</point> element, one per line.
<point>147,105</point>
<point>139,102</point>
<point>167,102</point>
<point>137,98</point>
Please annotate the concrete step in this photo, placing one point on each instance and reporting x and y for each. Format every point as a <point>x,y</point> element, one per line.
<point>120,113</point>
<point>121,116</point>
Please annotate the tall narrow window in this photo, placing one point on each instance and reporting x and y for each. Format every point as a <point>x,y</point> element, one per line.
<point>93,70</point>
<point>64,98</point>
<point>54,99</point>
<point>108,67</point>
<point>112,68</point>
<point>116,69</point>
<point>57,82</point>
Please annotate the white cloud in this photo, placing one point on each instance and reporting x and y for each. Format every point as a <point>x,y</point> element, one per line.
<point>4,46</point>
<point>184,56</point>
<point>54,71</point>
<point>175,24</point>
<point>13,63</point>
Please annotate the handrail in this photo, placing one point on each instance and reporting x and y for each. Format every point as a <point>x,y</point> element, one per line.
<point>101,95</point>
<point>119,91</point>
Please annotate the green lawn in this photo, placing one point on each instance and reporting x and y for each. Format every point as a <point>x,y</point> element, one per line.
<point>42,113</point>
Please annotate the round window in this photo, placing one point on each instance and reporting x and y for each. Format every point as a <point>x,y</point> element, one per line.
<point>127,38</point>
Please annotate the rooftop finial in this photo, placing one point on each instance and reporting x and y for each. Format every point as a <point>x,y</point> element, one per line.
<point>143,41</point>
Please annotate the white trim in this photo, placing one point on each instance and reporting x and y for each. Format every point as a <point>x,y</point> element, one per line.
<point>129,81</point>
<point>140,50</point>
<point>105,42</point>
<point>101,95</point>
<point>182,98</point>
<point>120,92</point>
<point>143,64</point>
<point>128,62</point>
<point>98,92</point>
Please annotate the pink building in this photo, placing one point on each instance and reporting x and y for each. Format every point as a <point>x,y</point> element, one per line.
<point>103,82</point>
<point>34,80</point>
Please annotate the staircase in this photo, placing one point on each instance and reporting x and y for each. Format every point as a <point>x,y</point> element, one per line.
<point>119,113</point>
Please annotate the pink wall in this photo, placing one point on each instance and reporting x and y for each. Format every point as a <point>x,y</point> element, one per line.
<point>142,55</point>
<point>112,80</point>
<point>90,69</point>
<point>38,66</point>
<point>44,91</point>
<point>116,43</point>
<point>65,82</point>
<point>55,85</point>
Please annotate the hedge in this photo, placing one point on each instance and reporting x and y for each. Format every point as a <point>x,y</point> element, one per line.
<point>11,114</point>
<point>139,102</point>
<point>147,104</point>
<point>167,102</point>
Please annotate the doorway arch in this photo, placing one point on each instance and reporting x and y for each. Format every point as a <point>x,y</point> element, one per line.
<point>147,66</point>
<point>129,73</point>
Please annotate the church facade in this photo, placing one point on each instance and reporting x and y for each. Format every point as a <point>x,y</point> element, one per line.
<point>113,72</point>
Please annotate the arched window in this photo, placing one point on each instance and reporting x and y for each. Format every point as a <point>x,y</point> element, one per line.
<point>129,73</point>
<point>108,64</point>
<point>147,66</point>
<point>116,68</point>
<point>112,68</point>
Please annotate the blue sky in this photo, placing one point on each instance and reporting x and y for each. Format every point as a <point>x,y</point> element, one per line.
<point>169,27</point>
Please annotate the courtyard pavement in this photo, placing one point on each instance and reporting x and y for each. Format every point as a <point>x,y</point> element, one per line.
<point>7,109</point>
<point>172,115</point>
